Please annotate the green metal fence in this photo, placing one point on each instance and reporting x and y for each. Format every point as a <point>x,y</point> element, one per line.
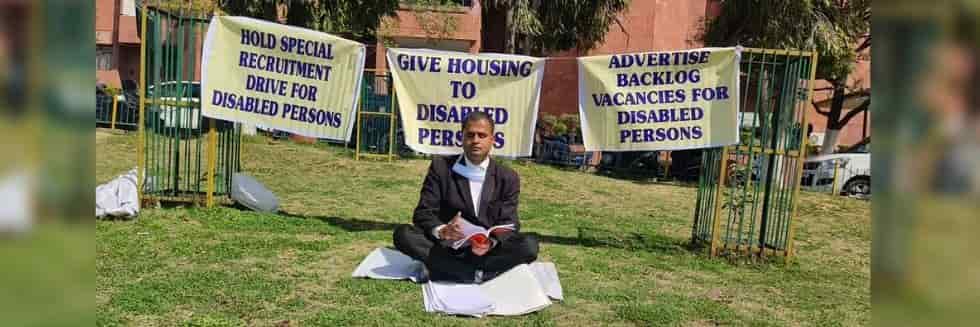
<point>184,156</point>
<point>747,194</point>
<point>112,113</point>
<point>377,119</point>
<point>103,110</point>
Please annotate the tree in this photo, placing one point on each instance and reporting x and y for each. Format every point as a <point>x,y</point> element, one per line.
<point>358,19</point>
<point>432,16</point>
<point>837,29</point>
<point>540,26</point>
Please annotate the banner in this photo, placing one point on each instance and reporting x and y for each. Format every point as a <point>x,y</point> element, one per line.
<point>281,77</point>
<point>437,89</point>
<point>651,101</point>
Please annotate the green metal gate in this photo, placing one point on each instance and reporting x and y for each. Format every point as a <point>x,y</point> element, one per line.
<point>747,194</point>
<point>377,118</point>
<point>184,157</point>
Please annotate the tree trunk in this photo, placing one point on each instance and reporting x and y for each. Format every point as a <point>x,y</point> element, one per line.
<point>834,125</point>
<point>830,138</point>
<point>510,34</point>
<point>526,46</point>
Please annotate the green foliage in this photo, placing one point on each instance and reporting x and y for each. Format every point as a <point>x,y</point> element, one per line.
<point>564,124</point>
<point>185,8</point>
<point>549,124</point>
<point>571,121</point>
<point>832,27</point>
<point>113,91</point>
<point>560,25</point>
<point>581,24</point>
<point>436,18</point>
<point>357,18</point>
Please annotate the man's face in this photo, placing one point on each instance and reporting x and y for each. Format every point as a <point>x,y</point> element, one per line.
<point>477,140</point>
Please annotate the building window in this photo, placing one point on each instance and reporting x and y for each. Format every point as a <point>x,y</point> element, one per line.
<point>103,58</point>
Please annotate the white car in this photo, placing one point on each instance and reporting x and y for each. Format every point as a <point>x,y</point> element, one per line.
<point>173,116</point>
<point>853,173</point>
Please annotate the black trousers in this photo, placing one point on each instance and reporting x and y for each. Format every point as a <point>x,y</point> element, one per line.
<point>446,264</point>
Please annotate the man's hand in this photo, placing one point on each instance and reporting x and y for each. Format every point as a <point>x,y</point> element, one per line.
<point>452,231</point>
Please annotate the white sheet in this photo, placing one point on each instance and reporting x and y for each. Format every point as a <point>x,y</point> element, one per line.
<point>524,289</point>
<point>456,299</point>
<point>385,263</point>
<point>515,292</point>
<point>547,276</point>
<point>118,197</point>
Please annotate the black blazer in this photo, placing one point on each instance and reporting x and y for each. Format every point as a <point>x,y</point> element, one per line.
<point>444,193</point>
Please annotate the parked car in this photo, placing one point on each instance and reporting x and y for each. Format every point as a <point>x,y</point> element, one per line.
<point>183,91</point>
<point>853,171</point>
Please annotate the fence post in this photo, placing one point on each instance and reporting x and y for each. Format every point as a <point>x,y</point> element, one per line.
<point>140,150</point>
<point>833,186</point>
<point>115,107</point>
<point>799,164</point>
<point>357,143</point>
<point>212,159</point>
<point>716,220</point>
<point>391,123</point>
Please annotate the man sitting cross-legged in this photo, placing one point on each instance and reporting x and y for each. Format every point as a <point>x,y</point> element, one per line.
<point>471,186</point>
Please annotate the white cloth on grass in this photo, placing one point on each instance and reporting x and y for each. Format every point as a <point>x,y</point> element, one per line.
<point>515,292</point>
<point>547,276</point>
<point>523,289</point>
<point>16,212</point>
<point>456,299</point>
<point>385,263</point>
<point>118,197</point>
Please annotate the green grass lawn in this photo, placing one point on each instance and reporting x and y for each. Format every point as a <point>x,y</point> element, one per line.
<point>227,266</point>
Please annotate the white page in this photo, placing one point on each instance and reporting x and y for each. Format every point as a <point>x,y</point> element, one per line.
<point>462,299</point>
<point>516,292</point>
<point>384,263</point>
<point>468,229</point>
<point>547,275</point>
<point>427,298</point>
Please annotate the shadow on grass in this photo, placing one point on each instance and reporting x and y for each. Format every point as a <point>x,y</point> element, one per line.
<point>594,237</point>
<point>587,236</point>
<point>348,224</point>
<point>646,178</point>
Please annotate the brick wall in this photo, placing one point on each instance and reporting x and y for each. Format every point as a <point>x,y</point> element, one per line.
<point>651,25</point>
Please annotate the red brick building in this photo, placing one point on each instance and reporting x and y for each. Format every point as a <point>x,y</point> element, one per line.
<point>650,25</point>
<point>117,44</point>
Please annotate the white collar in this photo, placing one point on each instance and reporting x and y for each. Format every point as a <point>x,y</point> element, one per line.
<point>472,172</point>
<point>483,165</point>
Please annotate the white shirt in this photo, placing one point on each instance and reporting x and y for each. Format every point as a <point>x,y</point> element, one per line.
<point>476,189</point>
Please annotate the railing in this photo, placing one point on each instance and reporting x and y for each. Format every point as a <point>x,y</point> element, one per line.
<point>112,113</point>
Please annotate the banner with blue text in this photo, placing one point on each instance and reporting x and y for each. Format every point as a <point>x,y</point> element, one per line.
<point>672,100</point>
<point>281,77</point>
<point>437,89</point>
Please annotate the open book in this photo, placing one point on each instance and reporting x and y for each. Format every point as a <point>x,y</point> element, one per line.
<point>470,230</point>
